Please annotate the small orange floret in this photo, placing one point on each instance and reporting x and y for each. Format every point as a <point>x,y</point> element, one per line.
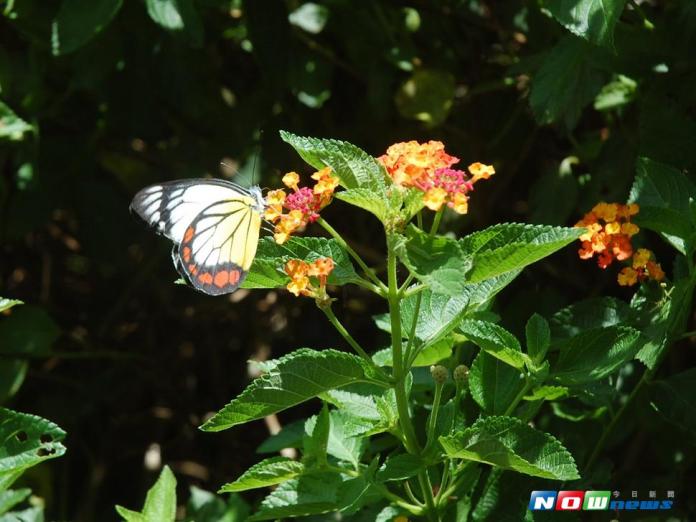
<point>300,273</point>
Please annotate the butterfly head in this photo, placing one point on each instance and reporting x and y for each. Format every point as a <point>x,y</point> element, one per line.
<point>259,200</point>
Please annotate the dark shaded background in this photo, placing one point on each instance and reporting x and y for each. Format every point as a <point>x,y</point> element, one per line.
<point>140,361</point>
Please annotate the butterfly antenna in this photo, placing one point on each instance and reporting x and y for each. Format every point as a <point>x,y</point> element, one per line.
<point>256,156</point>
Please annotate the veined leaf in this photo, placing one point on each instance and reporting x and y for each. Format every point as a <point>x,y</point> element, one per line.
<point>538,336</point>
<point>437,261</point>
<point>296,378</point>
<point>509,443</point>
<point>597,312</point>
<point>316,438</point>
<point>595,354</point>
<point>366,199</point>
<point>12,127</point>
<point>160,502</point>
<point>399,467</point>
<point>593,20</point>
<point>268,472</point>
<point>267,268</point>
<point>12,497</point>
<point>496,341</point>
<point>204,506</point>
<point>512,246</point>
<point>26,440</point>
<point>79,21</point>
<point>354,167</point>
<point>663,194</point>
<point>290,436</point>
<point>309,494</point>
<point>494,384</point>
<point>431,354</point>
<point>6,304</point>
<point>565,83</point>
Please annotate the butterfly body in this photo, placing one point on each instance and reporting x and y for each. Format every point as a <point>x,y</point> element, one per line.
<point>214,225</point>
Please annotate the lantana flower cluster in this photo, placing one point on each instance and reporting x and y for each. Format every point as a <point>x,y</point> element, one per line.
<point>309,279</point>
<point>608,236</point>
<point>303,204</point>
<point>427,167</point>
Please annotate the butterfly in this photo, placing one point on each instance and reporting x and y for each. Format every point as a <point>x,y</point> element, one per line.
<point>214,225</point>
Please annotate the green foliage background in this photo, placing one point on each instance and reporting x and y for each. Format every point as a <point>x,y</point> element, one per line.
<point>99,98</point>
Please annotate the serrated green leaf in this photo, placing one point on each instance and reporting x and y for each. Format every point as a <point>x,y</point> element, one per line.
<point>366,199</point>
<point>496,341</point>
<point>353,166</point>
<point>27,440</point>
<point>316,438</point>
<point>538,336</point>
<point>493,383</point>
<point>343,432</point>
<point>297,377</point>
<point>12,497</point>
<point>310,494</point>
<point>509,443</point>
<point>160,501</point>
<point>674,399</point>
<point>617,93</point>
<point>512,246</point>
<point>597,312</point>
<point>565,83</point>
<point>129,515</point>
<point>267,269</point>
<point>437,261</point>
<point>400,467</point>
<point>439,314</point>
<point>431,354</point>
<point>268,472</point>
<point>178,16</point>
<point>12,127</point>
<point>290,436</point>
<point>593,20</point>
<point>78,21</point>
<point>663,194</point>
<point>595,354</point>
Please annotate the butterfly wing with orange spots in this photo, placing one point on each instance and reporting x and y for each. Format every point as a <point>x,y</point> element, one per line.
<point>214,224</point>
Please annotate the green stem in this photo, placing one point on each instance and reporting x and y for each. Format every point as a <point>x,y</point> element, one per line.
<point>368,272</point>
<point>646,21</point>
<point>436,221</point>
<point>511,408</point>
<point>352,342</point>
<point>427,489</point>
<point>409,492</point>
<point>443,481</point>
<point>432,421</point>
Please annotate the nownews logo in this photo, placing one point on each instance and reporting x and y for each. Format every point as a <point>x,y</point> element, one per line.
<point>595,501</point>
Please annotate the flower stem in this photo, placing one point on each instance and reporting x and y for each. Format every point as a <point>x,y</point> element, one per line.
<point>368,271</point>
<point>518,398</point>
<point>436,221</point>
<point>432,421</point>
<point>351,341</point>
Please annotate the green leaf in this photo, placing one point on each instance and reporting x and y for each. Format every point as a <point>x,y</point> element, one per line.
<point>509,443</point>
<point>663,194</point>
<point>297,377</point>
<point>12,127</point>
<point>593,20</point>
<point>595,354</point>
<point>268,472</point>
<point>160,502</point>
<point>353,166</point>
<point>366,199</point>
<point>597,312</point>
<point>675,399</point>
<point>204,506</point>
<point>400,467</point>
<point>547,393</point>
<point>496,341</point>
<point>26,440</point>
<point>431,354</point>
<point>316,438</point>
<point>12,497</point>
<point>343,439</point>
<point>439,314</point>
<point>290,436</point>
<point>6,304</point>
<point>78,21</point>
<point>512,246</point>
<point>310,494</point>
<point>178,16</point>
<point>493,383</point>
<point>538,335</point>
<point>267,269</point>
<point>426,96</point>
<point>33,514</point>
<point>565,83</point>
<point>437,261</point>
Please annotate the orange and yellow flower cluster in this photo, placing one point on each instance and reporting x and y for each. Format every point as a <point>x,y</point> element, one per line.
<point>300,273</point>
<point>303,204</point>
<point>608,235</point>
<point>427,167</point>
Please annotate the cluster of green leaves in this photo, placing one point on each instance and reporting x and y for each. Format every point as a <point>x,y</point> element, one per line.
<point>26,440</point>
